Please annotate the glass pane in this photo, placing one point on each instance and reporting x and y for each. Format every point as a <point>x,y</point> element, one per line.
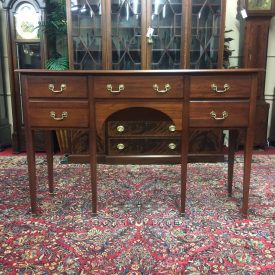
<point>126,34</point>
<point>26,21</point>
<point>86,34</point>
<point>205,34</point>
<point>28,55</point>
<point>166,40</point>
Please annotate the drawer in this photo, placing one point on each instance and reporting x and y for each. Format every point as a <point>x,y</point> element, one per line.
<point>58,114</point>
<point>222,86</point>
<point>144,146</point>
<point>219,114</point>
<point>55,86</point>
<point>138,87</point>
<point>134,128</point>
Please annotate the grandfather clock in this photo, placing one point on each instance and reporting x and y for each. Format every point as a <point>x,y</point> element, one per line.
<point>26,50</point>
<point>255,17</point>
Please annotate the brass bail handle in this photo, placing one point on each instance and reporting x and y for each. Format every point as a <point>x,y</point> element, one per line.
<point>214,115</point>
<point>167,87</point>
<point>62,88</point>
<point>215,88</point>
<point>109,87</point>
<point>63,115</point>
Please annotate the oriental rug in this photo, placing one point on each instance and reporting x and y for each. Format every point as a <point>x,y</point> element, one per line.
<point>138,229</point>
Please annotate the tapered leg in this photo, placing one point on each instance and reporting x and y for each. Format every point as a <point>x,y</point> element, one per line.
<point>247,169</point>
<point>49,152</point>
<point>233,135</point>
<point>93,169</point>
<point>31,169</point>
<point>184,152</point>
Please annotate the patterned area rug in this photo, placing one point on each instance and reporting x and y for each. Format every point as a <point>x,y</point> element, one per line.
<point>138,229</point>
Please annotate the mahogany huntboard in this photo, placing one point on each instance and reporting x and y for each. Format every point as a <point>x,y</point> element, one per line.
<point>204,99</point>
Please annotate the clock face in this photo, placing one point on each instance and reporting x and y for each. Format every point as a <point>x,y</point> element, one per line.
<point>26,22</point>
<point>262,5</point>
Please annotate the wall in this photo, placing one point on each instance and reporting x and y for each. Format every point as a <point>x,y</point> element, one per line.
<point>231,23</point>
<point>4,58</point>
<point>270,81</point>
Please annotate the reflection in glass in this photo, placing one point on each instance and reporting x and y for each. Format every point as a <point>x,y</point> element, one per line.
<point>259,4</point>
<point>26,21</point>
<point>28,55</point>
<point>166,42</point>
<point>126,34</point>
<point>86,34</point>
<point>205,33</point>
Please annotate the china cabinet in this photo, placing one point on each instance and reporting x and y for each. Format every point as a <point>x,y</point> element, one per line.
<point>144,35</point>
<point>26,50</point>
<point>140,34</point>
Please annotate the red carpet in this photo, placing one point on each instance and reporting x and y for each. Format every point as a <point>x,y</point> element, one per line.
<point>138,229</point>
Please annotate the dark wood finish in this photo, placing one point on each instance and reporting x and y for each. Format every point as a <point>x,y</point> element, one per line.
<point>13,44</point>
<point>200,114</point>
<point>254,51</point>
<point>180,110</point>
<point>191,24</point>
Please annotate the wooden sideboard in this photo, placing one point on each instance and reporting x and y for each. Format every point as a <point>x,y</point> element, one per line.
<point>202,99</point>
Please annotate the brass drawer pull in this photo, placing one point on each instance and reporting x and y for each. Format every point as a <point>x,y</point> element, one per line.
<point>214,115</point>
<point>172,128</point>
<point>62,88</point>
<point>120,146</point>
<point>109,87</point>
<point>172,146</point>
<point>167,87</point>
<point>120,128</point>
<point>63,115</point>
<point>214,88</point>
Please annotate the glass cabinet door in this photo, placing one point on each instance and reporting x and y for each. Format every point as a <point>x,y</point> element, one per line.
<point>205,34</point>
<point>145,34</point>
<point>126,34</point>
<point>86,34</point>
<point>167,34</point>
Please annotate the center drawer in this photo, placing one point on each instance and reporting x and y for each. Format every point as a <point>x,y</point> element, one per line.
<point>137,128</point>
<point>138,87</point>
<point>144,146</point>
<point>53,114</point>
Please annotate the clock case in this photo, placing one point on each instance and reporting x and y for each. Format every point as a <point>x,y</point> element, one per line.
<point>22,54</point>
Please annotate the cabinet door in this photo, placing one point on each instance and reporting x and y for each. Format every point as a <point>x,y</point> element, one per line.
<point>165,46</point>
<point>206,37</point>
<point>125,24</point>
<point>86,39</point>
<point>133,46</point>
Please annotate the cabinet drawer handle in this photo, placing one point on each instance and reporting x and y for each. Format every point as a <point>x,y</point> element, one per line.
<point>172,146</point>
<point>62,88</point>
<point>172,128</point>
<point>214,115</point>
<point>109,87</point>
<point>214,88</point>
<point>167,87</point>
<point>120,146</point>
<point>63,115</point>
<point>120,128</point>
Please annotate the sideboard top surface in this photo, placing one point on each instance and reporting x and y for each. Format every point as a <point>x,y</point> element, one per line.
<point>139,72</point>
